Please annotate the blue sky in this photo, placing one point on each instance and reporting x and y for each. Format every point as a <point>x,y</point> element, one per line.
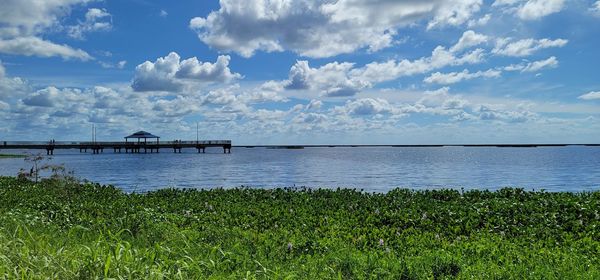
<point>292,72</point>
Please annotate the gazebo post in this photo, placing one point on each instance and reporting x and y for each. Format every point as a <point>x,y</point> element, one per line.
<point>145,135</point>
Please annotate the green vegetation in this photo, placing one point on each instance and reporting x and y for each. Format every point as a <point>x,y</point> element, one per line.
<point>62,229</point>
<point>11,156</point>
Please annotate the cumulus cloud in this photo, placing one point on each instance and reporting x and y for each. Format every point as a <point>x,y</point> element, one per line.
<point>551,62</point>
<point>22,21</point>
<point>119,65</point>
<point>158,75</point>
<point>219,71</point>
<point>531,9</point>
<point>455,77</point>
<point>469,39</point>
<point>343,79</point>
<point>34,46</point>
<point>393,69</point>
<point>332,79</point>
<point>535,9</point>
<point>592,95</point>
<point>488,112</point>
<point>43,98</point>
<point>10,86</point>
<point>454,12</point>
<point>321,28</point>
<point>169,73</point>
<point>595,9</point>
<point>28,17</point>
<point>367,106</point>
<point>525,47</point>
<point>480,21</point>
<point>534,66</point>
<point>95,20</point>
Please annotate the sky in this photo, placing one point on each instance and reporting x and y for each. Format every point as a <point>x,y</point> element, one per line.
<point>302,72</point>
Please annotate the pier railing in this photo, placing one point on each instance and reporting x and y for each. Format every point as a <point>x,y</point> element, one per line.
<point>120,143</point>
<point>129,146</point>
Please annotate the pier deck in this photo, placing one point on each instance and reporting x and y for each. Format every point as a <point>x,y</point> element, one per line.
<point>117,147</point>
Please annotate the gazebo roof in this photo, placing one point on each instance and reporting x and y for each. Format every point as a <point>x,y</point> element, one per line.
<point>142,134</point>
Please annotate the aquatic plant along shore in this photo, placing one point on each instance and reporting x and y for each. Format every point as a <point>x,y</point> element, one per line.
<point>60,228</point>
<point>11,156</point>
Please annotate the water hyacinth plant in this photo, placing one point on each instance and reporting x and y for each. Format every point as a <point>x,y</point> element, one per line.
<point>64,229</point>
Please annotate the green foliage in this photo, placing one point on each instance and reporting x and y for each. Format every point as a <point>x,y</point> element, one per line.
<point>11,156</point>
<point>62,229</point>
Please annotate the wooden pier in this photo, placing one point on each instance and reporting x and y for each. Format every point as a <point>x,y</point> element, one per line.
<point>118,147</point>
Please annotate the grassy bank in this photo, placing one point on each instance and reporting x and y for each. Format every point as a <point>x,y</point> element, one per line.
<point>11,156</point>
<point>59,229</point>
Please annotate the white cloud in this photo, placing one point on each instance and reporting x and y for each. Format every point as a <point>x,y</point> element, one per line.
<point>367,106</point>
<point>531,9</point>
<point>43,98</point>
<point>314,105</point>
<point>454,12</point>
<point>390,70</point>
<point>158,76</point>
<point>455,77</point>
<point>596,8</point>
<point>343,79</point>
<point>592,95</point>
<point>332,79</point>
<point>535,9</point>
<point>551,62</point>
<point>525,47</point>
<point>479,22</point>
<point>121,64</point>
<point>22,21</point>
<point>506,2</point>
<point>10,87</point>
<point>469,39</point>
<point>219,71</point>
<point>163,13</point>
<point>488,112</point>
<point>95,20</point>
<point>29,17</point>
<point>169,73</point>
<point>321,28</point>
<point>34,46</point>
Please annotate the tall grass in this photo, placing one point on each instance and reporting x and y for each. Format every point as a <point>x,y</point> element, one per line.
<point>66,230</point>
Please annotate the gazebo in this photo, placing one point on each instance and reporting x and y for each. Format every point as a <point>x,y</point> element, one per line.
<point>142,135</point>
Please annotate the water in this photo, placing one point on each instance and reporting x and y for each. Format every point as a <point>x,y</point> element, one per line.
<point>372,169</point>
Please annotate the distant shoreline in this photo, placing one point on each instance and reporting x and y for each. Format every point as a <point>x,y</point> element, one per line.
<point>410,146</point>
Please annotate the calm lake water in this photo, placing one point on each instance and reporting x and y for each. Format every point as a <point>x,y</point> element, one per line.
<point>372,169</point>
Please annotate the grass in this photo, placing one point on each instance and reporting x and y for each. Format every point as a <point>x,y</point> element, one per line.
<point>62,229</point>
<point>11,156</point>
